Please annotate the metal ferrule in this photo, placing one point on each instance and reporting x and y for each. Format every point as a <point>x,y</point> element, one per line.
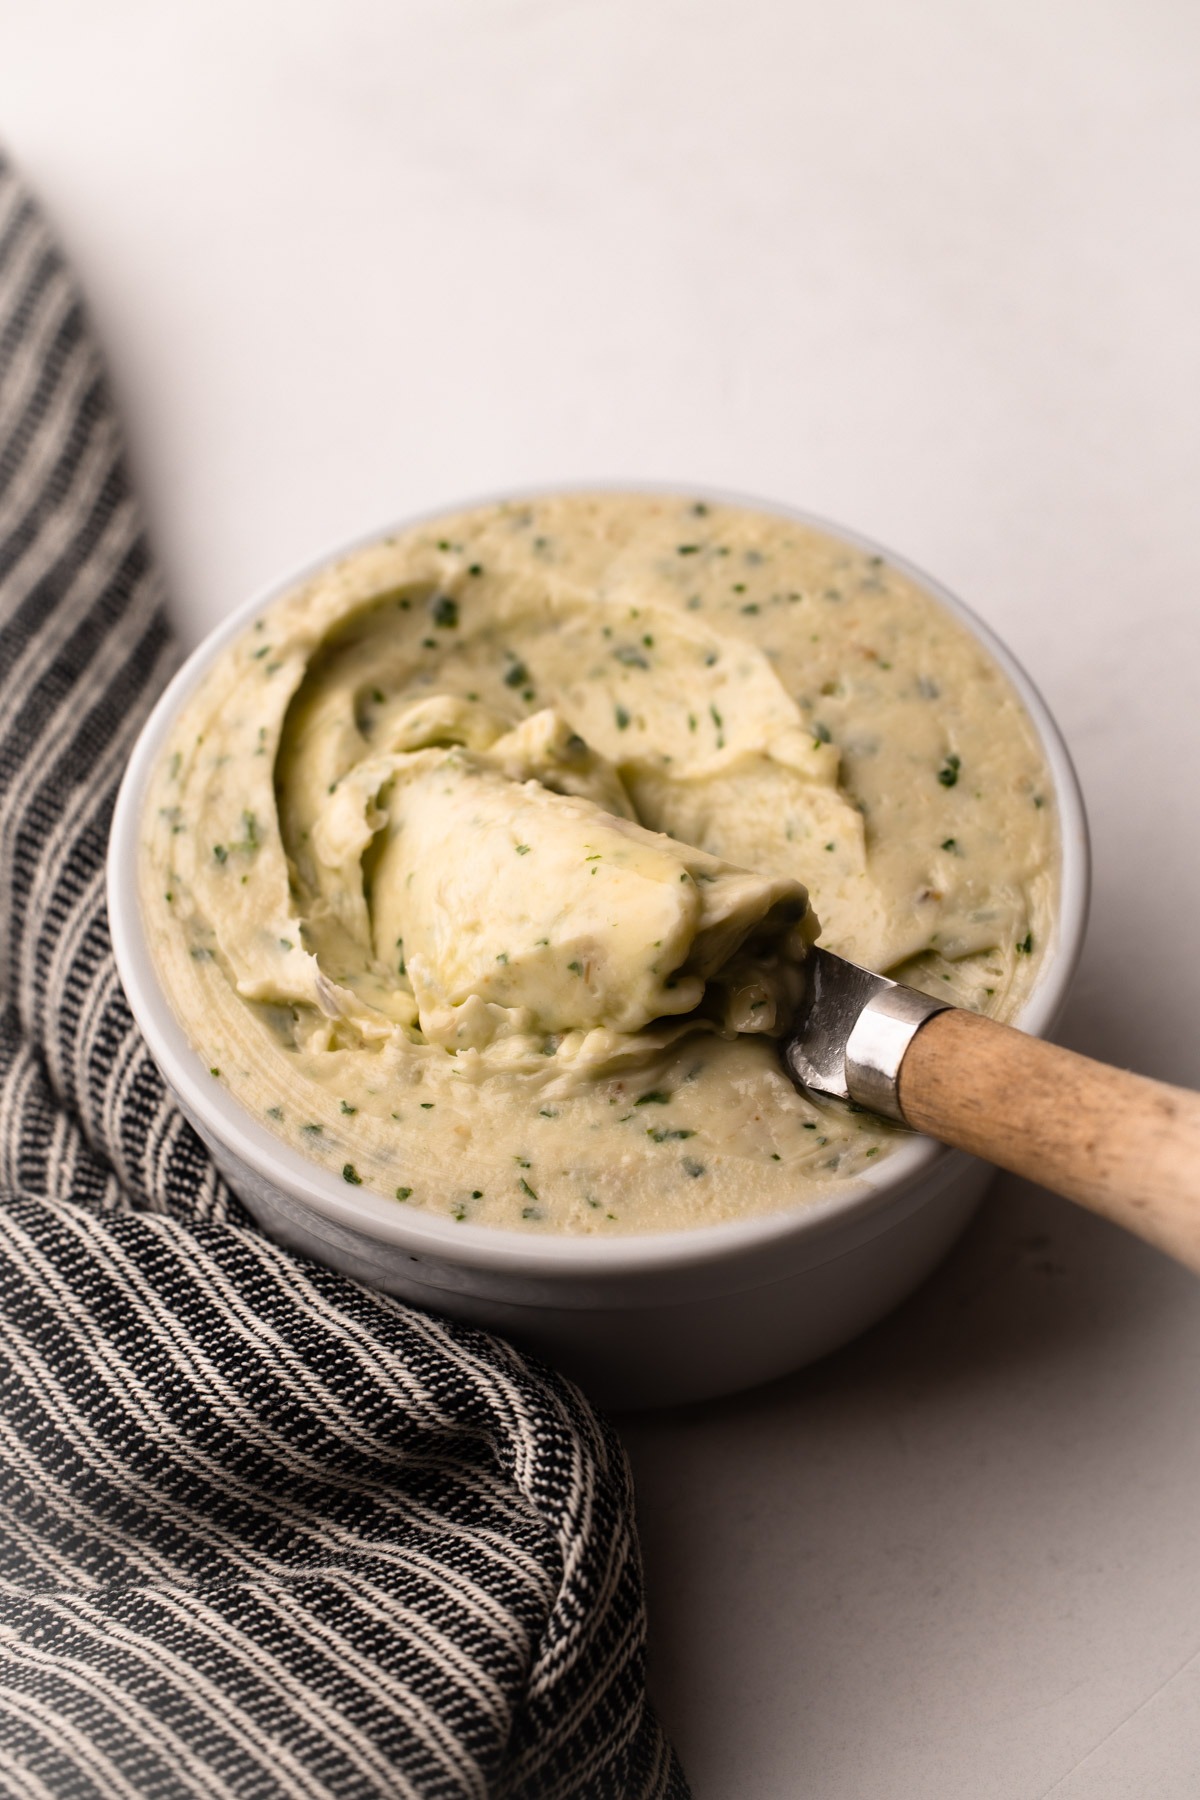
<point>851,1031</point>
<point>884,1029</point>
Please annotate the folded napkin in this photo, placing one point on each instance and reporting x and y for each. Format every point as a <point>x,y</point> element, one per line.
<point>265,1532</point>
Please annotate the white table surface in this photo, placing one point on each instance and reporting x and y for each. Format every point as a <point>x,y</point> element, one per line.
<point>931,270</point>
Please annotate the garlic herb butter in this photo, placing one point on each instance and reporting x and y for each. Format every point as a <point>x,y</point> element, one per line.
<point>483,865</point>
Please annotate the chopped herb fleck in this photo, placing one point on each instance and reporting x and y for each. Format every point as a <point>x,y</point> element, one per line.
<point>688,550</point>
<point>275,1112</point>
<point>312,1130</point>
<point>444,612</point>
<point>1025,947</point>
<point>622,718</point>
<point>402,1193</point>
<point>522,849</point>
<point>347,1108</point>
<point>525,1187</point>
<point>668,1137</point>
<point>694,1169</point>
<point>576,968</point>
<point>427,1105</point>
<point>948,773</point>
<point>517,676</point>
<point>221,853</point>
<point>655,1097</point>
<point>631,656</point>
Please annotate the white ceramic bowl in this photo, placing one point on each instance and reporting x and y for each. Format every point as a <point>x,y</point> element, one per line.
<point>639,1320</point>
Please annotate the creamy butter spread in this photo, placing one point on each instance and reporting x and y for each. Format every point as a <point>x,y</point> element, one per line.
<point>478,866</point>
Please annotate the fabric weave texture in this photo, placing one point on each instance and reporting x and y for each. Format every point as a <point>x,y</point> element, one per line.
<point>265,1532</point>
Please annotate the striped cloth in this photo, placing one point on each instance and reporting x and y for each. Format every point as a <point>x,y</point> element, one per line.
<point>265,1532</point>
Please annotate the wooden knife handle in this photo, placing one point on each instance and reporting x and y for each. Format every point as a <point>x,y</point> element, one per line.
<point>1126,1147</point>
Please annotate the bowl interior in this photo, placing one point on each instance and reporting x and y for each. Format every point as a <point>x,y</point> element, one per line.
<point>221,1115</point>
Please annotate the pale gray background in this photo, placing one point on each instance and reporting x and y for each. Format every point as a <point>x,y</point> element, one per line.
<point>932,270</point>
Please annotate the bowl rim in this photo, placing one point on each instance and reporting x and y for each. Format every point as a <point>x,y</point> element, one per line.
<point>426,1235</point>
